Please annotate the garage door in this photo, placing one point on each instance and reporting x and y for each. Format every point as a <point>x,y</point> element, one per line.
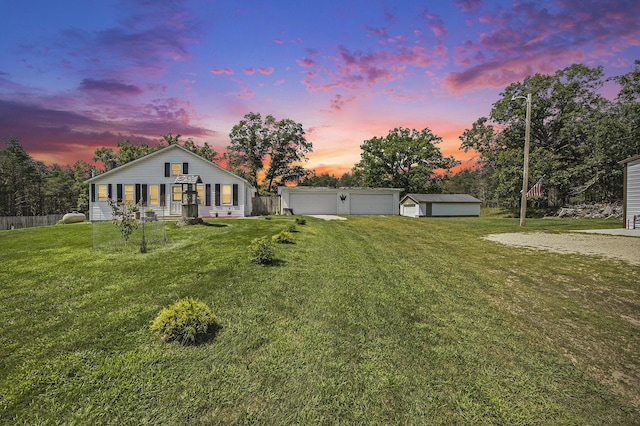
<point>314,203</point>
<point>373,204</point>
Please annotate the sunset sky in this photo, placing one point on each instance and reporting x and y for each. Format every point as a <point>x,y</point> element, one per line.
<point>77,75</point>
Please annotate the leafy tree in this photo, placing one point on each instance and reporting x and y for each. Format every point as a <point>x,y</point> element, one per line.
<point>205,151</point>
<point>275,148</point>
<point>577,137</point>
<point>405,159</point>
<point>21,180</point>
<point>322,180</point>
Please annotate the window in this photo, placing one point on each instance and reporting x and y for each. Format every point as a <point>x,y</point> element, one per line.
<point>176,193</point>
<point>154,195</point>
<point>200,188</point>
<point>129,193</point>
<point>102,193</point>
<point>226,194</point>
<point>176,169</point>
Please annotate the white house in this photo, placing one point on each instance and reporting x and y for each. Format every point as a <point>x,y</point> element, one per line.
<point>417,205</point>
<point>631,192</point>
<point>309,200</point>
<point>151,180</point>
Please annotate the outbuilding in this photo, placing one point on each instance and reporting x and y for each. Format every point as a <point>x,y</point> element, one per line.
<point>631,192</point>
<point>310,200</point>
<point>429,205</point>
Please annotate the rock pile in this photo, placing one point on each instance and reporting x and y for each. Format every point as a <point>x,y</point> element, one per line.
<point>591,211</point>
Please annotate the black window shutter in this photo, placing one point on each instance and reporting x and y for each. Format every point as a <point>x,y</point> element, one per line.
<point>109,195</point>
<point>185,168</point>
<point>207,194</point>
<point>162,194</point>
<point>235,194</point>
<point>144,194</point>
<point>119,192</point>
<point>93,192</point>
<point>217,194</point>
<point>137,193</point>
<point>167,169</point>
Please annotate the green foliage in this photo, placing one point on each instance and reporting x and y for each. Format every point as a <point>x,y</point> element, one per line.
<point>254,139</point>
<point>283,237</point>
<point>261,251</point>
<point>405,158</point>
<point>292,228</point>
<point>577,137</point>
<point>187,321</point>
<point>123,217</point>
<point>301,221</point>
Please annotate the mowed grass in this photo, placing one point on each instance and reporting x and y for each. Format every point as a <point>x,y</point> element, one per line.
<point>372,320</point>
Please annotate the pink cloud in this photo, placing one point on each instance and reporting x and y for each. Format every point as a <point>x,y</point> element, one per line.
<point>307,63</point>
<point>219,71</point>
<point>249,71</point>
<point>529,38</point>
<point>338,102</point>
<point>279,82</point>
<point>265,70</point>
<point>278,41</point>
<point>468,5</point>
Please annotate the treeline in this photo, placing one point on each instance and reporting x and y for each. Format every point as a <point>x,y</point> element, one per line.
<point>30,188</point>
<point>578,138</point>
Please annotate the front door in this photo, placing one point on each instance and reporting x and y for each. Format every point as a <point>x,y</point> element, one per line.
<point>175,208</point>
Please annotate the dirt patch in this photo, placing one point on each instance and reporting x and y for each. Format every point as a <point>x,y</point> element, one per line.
<point>622,248</point>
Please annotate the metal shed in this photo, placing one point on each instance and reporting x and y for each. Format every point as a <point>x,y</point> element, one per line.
<point>631,192</point>
<point>430,205</point>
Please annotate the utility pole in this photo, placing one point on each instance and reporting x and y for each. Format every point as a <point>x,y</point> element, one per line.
<point>525,169</point>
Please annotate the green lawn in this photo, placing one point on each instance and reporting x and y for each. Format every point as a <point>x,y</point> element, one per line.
<point>373,320</point>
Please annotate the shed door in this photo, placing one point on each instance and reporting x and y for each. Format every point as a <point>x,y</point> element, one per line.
<point>313,203</point>
<point>373,204</point>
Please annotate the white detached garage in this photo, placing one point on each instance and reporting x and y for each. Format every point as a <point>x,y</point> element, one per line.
<point>309,200</point>
<point>430,205</point>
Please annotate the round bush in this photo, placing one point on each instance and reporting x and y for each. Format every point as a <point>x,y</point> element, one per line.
<point>262,252</point>
<point>301,221</point>
<point>283,237</point>
<point>187,321</point>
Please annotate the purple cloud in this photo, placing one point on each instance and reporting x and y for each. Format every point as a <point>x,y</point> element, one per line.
<point>468,5</point>
<point>110,86</point>
<point>219,71</point>
<point>528,38</point>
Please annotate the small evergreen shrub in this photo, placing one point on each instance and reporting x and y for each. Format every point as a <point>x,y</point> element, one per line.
<point>262,252</point>
<point>301,221</point>
<point>187,321</point>
<point>283,237</point>
<point>292,228</point>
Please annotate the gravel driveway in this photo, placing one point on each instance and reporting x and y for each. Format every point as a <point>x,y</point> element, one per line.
<point>617,247</point>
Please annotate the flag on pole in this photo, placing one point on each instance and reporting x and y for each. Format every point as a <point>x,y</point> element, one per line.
<point>536,190</point>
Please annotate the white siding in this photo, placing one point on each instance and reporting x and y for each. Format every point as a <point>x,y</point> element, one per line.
<point>455,209</point>
<point>374,204</point>
<point>313,203</point>
<point>150,170</point>
<point>633,189</point>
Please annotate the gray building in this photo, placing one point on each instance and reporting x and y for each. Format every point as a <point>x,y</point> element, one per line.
<point>631,192</point>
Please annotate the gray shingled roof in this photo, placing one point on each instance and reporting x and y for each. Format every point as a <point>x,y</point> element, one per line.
<point>192,179</point>
<point>442,198</point>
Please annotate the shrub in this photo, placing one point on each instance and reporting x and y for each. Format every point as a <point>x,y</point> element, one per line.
<point>301,221</point>
<point>187,321</point>
<point>262,252</point>
<point>283,237</point>
<point>292,228</point>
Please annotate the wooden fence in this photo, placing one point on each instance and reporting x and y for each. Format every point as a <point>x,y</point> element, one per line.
<point>261,206</point>
<point>15,222</point>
